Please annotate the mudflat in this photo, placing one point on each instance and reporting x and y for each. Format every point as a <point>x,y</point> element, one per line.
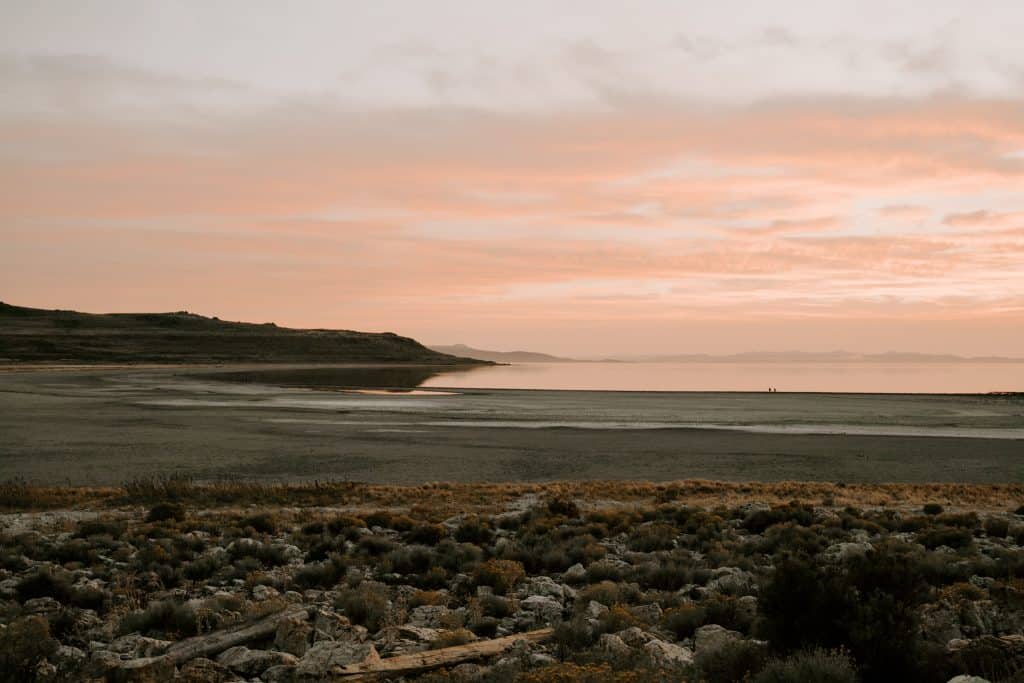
<point>99,426</point>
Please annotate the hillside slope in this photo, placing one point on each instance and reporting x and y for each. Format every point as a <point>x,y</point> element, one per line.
<point>38,335</point>
<point>500,356</point>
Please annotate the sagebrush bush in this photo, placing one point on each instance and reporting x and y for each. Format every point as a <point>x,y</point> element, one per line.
<point>366,605</point>
<point>735,661</point>
<point>164,618</point>
<point>163,512</point>
<point>811,666</point>
<point>24,644</point>
<point>501,575</point>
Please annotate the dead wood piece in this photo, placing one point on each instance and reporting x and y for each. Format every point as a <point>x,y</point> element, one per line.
<point>435,659</point>
<point>211,644</point>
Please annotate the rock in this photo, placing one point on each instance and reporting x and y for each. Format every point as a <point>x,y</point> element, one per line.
<point>135,645</point>
<point>251,663</point>
<point>428,616</point>
<point>293,635</point>
<point>731,580</point>
<point>963,678</point>
<point>139,670</point>
<point>668,655</point>
<point>331,626</point>
<point>202,670</point>
<point>279,674</point>
<point>841,552</point>
<point>325,657</point>
<point>541,659</point>
<point>544,586</point>
<point>635,637</point>
<point>595,610</point>
<point>648,614</point>
<point>45,607</point>
<point>613,648</point>
<point>985,582</point>
<point>400,640</point>
<point>746,609</point>
<point>68,661</point>
<point>545,610</point>
<point>575,574</point>
<point>713,637</point>
<point>261,593</point>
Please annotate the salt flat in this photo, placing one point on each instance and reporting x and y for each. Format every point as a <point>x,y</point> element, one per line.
<point>102,426</point>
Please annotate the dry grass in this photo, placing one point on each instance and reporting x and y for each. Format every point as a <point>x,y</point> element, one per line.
<point>440,498</point>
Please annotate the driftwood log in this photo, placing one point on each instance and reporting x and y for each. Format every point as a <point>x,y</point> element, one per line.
<point>435,659</point>
<point>214,643</point>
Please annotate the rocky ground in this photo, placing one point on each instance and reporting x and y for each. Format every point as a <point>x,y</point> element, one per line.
<point>543,588</point>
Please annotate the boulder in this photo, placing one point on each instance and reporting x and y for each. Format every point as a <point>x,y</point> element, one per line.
<point>545,610</point>
<point>613,648</point>
<point>428,616</point>
<point>328,657</point>
<point>713,637</point>
<point>545,586</point>
<point>664,655</point>
<point>331,626</point>
<point>135,645</point>
<point>575,574</point>
<point>732,580</point>
<point>294,635</point>
<point>251,663</point>
<point>203,670</point>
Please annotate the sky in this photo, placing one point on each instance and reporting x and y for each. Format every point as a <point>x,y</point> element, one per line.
<point>583,178</point>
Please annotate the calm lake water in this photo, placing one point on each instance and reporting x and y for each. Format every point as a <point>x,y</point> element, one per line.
<point>911,378</point>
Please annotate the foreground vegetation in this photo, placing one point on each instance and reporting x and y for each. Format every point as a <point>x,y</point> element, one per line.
<point>693,581</point>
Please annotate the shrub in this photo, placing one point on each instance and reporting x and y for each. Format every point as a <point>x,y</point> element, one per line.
<point>794,513</point>
<point>474,530</point>
<point>162,512</point>
<point>816,665</point>
<point>945,535</point>
<point>325,574</point>
<point>263,523</point>
<point>932,509</point>
<point>459,636</point>
<point>425,534</point>
<point>500,575</point>
<point>165,617</point>
<point>366,605</point>
<point>871,608</point>
<point>684,621</point>
<point>565,507</point>
<point>653,537</point>
<point>607,593</point>
<point>735,661</point>
<point>420,598</point>
<point>996,527</point>
<point>24,644</point>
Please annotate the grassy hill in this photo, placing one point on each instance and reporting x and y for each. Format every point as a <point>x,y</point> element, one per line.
<point>37,335</point>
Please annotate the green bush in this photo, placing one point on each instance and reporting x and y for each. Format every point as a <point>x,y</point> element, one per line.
<point>811,666</point>
<point>869,607</point>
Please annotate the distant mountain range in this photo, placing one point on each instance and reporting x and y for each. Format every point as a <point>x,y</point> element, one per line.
<point>824,357</point>
<point>748,357</point>
<point>38,335</point>
<point>500,356</point>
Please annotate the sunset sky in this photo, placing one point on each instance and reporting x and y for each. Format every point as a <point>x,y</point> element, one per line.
<point>587,178</point>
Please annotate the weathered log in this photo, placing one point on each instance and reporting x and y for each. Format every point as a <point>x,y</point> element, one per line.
<point>435,659</point>
<point>211,644</point>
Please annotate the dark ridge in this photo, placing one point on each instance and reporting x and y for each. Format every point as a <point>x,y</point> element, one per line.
<point>44,336</point>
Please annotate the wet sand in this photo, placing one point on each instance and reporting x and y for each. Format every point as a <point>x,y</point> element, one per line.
<point>105,426</point>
